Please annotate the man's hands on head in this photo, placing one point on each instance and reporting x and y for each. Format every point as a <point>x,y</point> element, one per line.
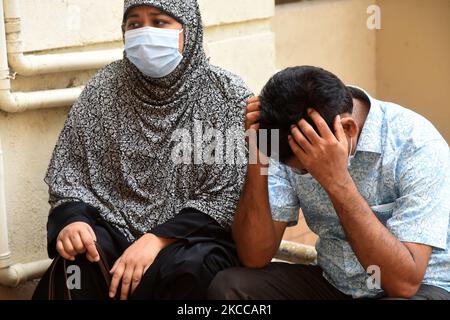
<point>323,154</point>
<point>253,113</point>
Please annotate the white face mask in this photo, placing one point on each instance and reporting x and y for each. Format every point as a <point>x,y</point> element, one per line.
<point>351,156</point>
<point>154,51</point>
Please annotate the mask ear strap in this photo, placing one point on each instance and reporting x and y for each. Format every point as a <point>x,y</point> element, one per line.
<point>351,147</point>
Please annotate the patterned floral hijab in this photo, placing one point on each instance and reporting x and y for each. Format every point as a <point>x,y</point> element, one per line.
<point>115,152</point>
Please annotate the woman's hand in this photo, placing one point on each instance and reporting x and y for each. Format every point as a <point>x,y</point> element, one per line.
<point>253,114</point>
<point>135,261</point>
<point>77,238</point>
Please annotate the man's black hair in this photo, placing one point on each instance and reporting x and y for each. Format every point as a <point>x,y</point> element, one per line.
<point>360,95</point>
<point>289,94</point>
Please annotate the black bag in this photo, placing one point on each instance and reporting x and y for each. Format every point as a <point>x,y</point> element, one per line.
<point>58,272</point>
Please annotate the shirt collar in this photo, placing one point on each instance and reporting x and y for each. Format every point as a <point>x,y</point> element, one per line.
<point>370,138</point>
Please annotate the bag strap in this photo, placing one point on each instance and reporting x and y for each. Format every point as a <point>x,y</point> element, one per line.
<point>67,293</point>
<point>103,264</point>
<point>51,282</point>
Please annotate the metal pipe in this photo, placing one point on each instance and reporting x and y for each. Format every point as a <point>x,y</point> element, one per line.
<point>29,65</point>
<point>294,252</point>
<point>23,101</point>
<point>5,253</point>
<point>21,273</point>
<point>13,275</point>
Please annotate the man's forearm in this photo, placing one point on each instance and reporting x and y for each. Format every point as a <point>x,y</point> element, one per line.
<point>371,241</point>
<point>253,227</point>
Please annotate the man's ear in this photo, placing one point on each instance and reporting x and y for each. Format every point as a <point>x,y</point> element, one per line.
<point>350,126</point>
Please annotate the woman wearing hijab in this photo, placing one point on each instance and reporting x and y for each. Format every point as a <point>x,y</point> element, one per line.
<point>162,225</point>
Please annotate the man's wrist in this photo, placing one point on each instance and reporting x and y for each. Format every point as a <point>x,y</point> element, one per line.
<point>342,185</point>
<point>258,172</point>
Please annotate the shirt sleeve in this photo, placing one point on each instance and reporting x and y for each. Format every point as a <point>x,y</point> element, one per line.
<point>421,213</point>
<point>283,198</point>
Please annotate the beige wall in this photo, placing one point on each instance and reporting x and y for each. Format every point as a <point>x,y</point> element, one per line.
<point>407,61</point>
<point>413,57</point>
<point>332,34</point>
<point>28,138</point>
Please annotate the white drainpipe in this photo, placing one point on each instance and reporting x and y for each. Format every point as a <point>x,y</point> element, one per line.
<point>13,275</point>
<point>29,65</point>
<point>5,254</point>
<point>10,37</point>
<point>19,274</point>
<point>20,101</point>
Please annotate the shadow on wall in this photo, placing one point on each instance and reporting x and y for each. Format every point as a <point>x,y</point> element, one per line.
<point>405,62</point>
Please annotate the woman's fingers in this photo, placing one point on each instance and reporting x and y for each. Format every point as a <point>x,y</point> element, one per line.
<point>68,247</point>
<point>89,244</point>
<point>119,269</point>
<point>113,269</point>
<point>137,277</point>
<point>62,252</point>
<point>77,238</point>
<point>126,282</point>
<point>77,244</point>
<point>92,233</point>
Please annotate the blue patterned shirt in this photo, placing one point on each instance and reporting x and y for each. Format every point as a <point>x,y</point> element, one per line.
<point>402,169</point>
